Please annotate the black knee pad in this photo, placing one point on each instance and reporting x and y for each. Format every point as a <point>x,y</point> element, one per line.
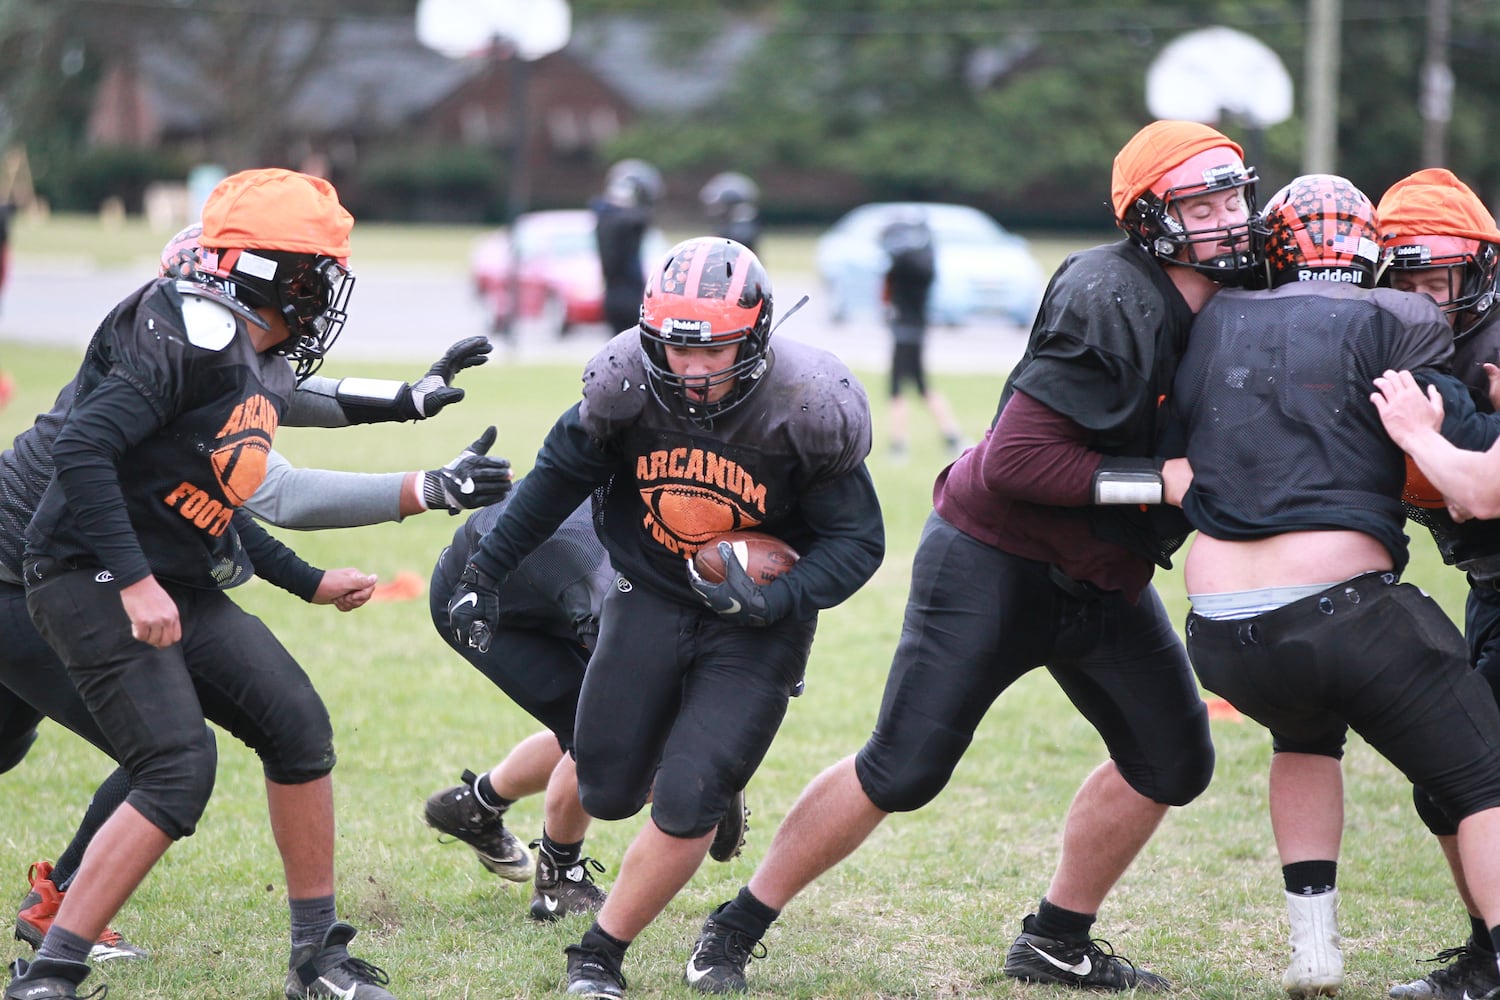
<point>609,802</point>
<point>1173,783</point>
<point>1432,814</point>
<point>301,747</point>
<point>901,781</point>
<point>680,809</point>
<point>173,790</point>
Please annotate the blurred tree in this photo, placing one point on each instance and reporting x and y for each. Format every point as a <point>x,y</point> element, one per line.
<point>245,58</point>
<point>1020,107</point>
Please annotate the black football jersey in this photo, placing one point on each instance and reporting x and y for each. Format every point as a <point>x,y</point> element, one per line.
<point>666,485</point>
<point>173,416</point>
<point>1273,397</point>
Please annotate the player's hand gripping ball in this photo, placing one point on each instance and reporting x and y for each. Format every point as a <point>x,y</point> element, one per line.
<point>729,572</point>
<point>763,557</point>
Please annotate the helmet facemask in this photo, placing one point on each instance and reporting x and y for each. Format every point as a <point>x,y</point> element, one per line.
<point>707,293</point>
<point>1471,277</point>
<point>309,291</point>
<point>1154,221</point>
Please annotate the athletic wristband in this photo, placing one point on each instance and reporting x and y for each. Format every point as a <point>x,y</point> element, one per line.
<point>370,391</point>
<point>1127,487</point>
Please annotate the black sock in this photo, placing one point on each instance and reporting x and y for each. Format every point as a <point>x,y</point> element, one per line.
<point>1310,878</point>
<point>488,797</point>
<point>1053,921</point>
<point>561,855</point>
<point>1486,939</point>
<point>108,795</point>
<point>596,939</point>
<point>747,914</point>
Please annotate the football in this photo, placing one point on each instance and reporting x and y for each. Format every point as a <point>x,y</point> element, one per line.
<point>1419,491</point>
<point>765,557</point>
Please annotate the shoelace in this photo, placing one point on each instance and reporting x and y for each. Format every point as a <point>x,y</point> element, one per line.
<point>1449,954</point>
<point>559,871</point>
<point>365,972</point>
<point>734,946</point>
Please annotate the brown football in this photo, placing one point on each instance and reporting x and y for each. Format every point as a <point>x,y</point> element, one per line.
<point>765,557</point>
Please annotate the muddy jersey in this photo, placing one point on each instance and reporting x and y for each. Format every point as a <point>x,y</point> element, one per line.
<point>171,420</point>
<point>1273,399</point>
<point>1102,353</point>
<point>788,461</point>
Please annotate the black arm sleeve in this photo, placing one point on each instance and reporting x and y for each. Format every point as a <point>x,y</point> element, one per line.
<point>846,516</point>
<point>1463,424</point>
<point>98,432</point>
<point>568,468</point>
<point>274,562</point>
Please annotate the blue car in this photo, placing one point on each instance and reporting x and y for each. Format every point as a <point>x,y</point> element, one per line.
<point>983,270</point>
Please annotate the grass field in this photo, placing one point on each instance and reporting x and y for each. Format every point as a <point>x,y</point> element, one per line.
<point>925,909</point>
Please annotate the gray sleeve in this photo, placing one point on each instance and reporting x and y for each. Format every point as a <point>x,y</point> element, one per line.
<point>316,404</point>
<point>309,499</point>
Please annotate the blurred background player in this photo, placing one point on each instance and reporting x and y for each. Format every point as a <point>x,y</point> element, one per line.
<point>690,424</point>
<point>1440,240</point>
<point>622,215</point>
<point>907,242</point>
<point>732,203</point>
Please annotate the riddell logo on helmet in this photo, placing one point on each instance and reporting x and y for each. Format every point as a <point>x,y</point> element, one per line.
<point>702,327</point>
<point>1330,274</point>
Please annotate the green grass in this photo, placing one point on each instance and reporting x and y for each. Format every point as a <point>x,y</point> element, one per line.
<point>924,909</point>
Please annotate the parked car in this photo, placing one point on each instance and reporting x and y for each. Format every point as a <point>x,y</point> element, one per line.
<point>559,281</point>
<point>983,269</point>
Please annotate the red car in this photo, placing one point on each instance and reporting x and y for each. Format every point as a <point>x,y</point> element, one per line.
<point>558,282</point>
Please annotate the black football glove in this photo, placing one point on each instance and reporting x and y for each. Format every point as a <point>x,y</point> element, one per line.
<point>738,598</point>
<point>473,479</point>
<point>435,390</point>
<point>474,609</point>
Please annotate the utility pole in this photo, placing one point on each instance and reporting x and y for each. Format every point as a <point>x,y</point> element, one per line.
<point>1320,140</point>
<point>1437,86</point>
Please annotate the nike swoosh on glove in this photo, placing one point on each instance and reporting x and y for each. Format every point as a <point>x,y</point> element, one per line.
<point>738,598</point>
<point>474,609</point>
<point>471,480</point>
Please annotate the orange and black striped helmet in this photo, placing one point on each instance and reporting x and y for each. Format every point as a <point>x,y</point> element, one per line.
<point>1320,227</point>
<point>706,292</point>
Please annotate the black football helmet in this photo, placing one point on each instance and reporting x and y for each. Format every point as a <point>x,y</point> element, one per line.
<point>707,292</point>
<point>310,291</point>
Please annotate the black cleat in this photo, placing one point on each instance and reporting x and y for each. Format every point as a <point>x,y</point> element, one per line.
<point>458,812</point>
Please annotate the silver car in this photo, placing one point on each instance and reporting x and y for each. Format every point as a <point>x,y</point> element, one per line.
<point>983,270</point>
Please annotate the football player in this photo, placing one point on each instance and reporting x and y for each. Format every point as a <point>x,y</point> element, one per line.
<point>1059,516</point>
<point>1439,239</point>
<point>141,530</point>
<point>549,624</point>
<point>1299,618</point>
<point>33,682</point>
<point>622,214</point>
<point>691,424</point>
